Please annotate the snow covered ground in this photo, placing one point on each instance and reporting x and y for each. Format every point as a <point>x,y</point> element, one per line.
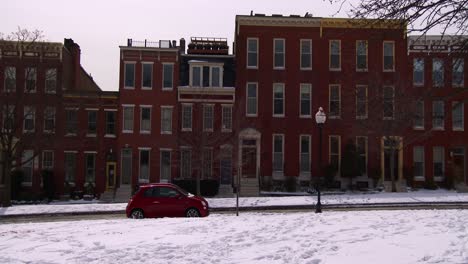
<point>419,236</point>
<point>409,197</point>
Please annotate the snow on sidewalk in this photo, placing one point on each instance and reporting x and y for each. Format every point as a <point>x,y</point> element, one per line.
<point>409,197</point>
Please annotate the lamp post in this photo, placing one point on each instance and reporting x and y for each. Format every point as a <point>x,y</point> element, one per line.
<point>320,118</point>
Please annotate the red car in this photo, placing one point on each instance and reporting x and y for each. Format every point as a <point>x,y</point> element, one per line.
<point>165,200</point>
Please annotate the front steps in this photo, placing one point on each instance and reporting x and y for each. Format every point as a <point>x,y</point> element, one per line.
<point>120,195</point>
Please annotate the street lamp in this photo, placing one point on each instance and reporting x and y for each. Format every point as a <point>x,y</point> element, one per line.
<point>320,118</point>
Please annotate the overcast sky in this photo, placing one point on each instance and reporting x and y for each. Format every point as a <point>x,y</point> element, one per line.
<point>100,26</point>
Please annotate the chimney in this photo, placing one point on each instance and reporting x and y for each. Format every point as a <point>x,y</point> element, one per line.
<point>174,44</point>
<point>182,45</point>
<point>75,51</point>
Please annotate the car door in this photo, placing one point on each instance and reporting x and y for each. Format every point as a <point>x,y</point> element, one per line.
<point>149,202</point>
<point>172,201</point>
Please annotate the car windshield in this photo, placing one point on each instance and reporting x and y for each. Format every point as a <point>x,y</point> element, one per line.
<point>183,191</point>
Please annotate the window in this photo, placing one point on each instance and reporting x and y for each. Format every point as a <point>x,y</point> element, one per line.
<point>90,170</point>
<point>129,82</point>
<point>361,102</point>
<point>457,116</point>
<point>306,54</point>
<point>27,161</point>
<point>49,119</point>
<point>227,118</point>
<point>145,121</point>
<point>47,159</point>
<point>165,166</point>
<point>251,104</point>
<point>278,99</point>
<point>70,167</point>
<point>185,163</point>
<point>30,75</point>
<point>388,102</point>
<point>278,146</point>
<point>126,165</point>
<point>334,151</point>
<point>127,119</point>
<point>437,72</point>
<point>361,55</point>
<point>438,163</point>
<point>186,117</point>
<point>8,117</point>
<point>196,76</point>
<point>147,80</point>
<point>305,154</point>
<point>418,162</point>
<point>216,74</point>
<point>419,115</point>
<point>389,56</point>
<point>144,165</point>
<point>168,73</point>
<point>10,79</point>
<point>418,71</point>
<point>166,119</point>
<point>207,160</point>
<point>335,55</point>
<point>92,120</point>
<point>361,148</point>
<point>29,118</point>
<point>306,100</point>
<point>110,122</point>
<point>71,121</point>
<point>438,115</point>
<point>278,53</point>
<point>335,101</point>
<point>51,81</point>
<point>252,53</point>
<point>458,68</point>
<point>208,117</point>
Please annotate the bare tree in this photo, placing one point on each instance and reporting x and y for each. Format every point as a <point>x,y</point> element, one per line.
<point>21,107</point>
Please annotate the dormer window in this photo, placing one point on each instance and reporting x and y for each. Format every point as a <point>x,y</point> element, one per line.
<point>206,74</point>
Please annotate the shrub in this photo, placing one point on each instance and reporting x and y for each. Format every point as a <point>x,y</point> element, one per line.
<point>17,177</point>
<point>49,186</point>
<point>329,173</point>
<point>430,184</point>
<point>208,187</point>
<point>290,184</point>
<point>90,189</point>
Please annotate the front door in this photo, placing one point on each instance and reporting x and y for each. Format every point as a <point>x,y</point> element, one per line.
<point>459,165</point>
<point>387,166</point>
<point>110,173</point>
<point>226,170</point>
<point>249,162</point>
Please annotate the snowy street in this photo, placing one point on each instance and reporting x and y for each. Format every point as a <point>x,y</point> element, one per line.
<point>420,236</point>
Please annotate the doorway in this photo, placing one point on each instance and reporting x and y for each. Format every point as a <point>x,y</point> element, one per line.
<point>458,156</point>
<point>110,175</point>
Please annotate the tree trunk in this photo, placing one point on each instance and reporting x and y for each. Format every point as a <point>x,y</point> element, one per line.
<point>6,199</point>
<point>198,183</point>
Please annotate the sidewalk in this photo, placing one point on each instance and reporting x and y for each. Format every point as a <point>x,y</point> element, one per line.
<point>348,200</point>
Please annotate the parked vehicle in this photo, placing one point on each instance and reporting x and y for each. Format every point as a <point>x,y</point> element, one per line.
<point>165,200</point>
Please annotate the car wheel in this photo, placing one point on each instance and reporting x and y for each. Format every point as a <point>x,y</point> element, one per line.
<point>137,214</point>
<point>192,212</point>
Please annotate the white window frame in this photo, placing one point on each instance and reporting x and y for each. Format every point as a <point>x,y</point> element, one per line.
<point>29,164</point>
<point>438,178</point>
<point>45,166</point>
<point>434,118</point>
<point>420,103</point>
<point>366,153</point>
<point>167,88</point>
<point>6,75</point>
<point>125,75</point>
<point>358,101</point>
<point>462,104</point>
<point>161,179</point>
<point>88,111</point>
<point>106,111</point>
<point>434,70</point>
<point>189,163</point>
<point>75,156</point>
<point>50,75</point>
<point>415,61</point>
<point>301,41</point>
<point>76,128</point>
<point>247,99</point>
<point>454,64</point>
<point>392,100</point>
<point>192,75</point>
<point>221,74</point>
<point>140,149</point>
<point>307,172</point>
<point>248,52</point>
<point>205,107</point>
<point>282,86</point>
<point>164,130</point>
<point>210,175</point>
<point>330,55</point>
<point>29,111</point>
<point>142,130</point>
<point>419,177</point>
<point>143,63</point>
<point>309,87</point>
<point>330,154</point>
<point>330,116</point>
<point>49,112</point>
<point>393,55</point>
<point>129,106</point>
<point>94,155</point>
<point>274,152</point>
<point>188,128</point>
<point>282,67</point>
<point>226,122</point>
<point>27,77</point>
<point>367,55</point>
